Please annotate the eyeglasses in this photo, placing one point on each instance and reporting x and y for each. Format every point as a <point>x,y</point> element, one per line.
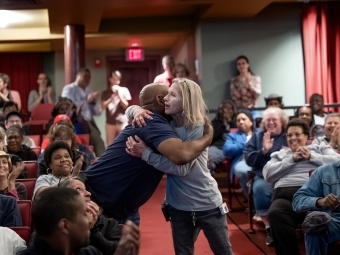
<point>290,135</point>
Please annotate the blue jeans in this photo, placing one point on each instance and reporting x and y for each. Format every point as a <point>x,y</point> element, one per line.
<point>241,171</point>
<point>215,156</point>
<point>135,218</point>
<point>213,224</point>
<point>262,195</point>
<point>317,244</point>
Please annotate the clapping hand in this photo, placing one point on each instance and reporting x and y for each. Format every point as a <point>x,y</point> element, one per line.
<point>129,242</point>
<point>92,212</point>
<point>16,170</point>
<point>267,142</point>
<point>302,153</point>
<point>78,165</point>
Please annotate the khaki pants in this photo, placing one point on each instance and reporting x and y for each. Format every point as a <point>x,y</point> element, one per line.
<point>95,139</point>
<point>112,131</point>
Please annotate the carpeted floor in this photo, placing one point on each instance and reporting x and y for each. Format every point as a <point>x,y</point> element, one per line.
<point>156,232</point>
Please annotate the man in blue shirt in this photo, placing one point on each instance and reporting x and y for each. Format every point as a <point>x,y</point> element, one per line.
<point>121,183</point>
<point>321,193</point>
<point>86,100</point>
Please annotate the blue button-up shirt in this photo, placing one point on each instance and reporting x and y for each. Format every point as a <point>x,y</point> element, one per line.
<point>323,181</point>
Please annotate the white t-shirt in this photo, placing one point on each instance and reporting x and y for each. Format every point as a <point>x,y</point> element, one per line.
<point>112,107</point>
<point>11,242</point>
<point>319,120</point>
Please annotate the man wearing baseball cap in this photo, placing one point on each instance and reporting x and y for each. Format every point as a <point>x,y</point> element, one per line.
<point>14,118</point>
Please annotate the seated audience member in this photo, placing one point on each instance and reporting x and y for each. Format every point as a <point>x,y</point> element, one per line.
<point>43,94</point>
<point>58,159</point>
<point>224,120</point>
<point>10,242</point>
<point>8,174</point>
<point>105,232</point>
<point>168,64</point>
<point>305,113</point>
<point>65,106</point>
<point>180,71</point>
<point>257,153</point>
<point>15,138</point>
<point>321,193</point>
<point>62,119</point>
<point>287,171</point>
<point>9,212</point>
<point>14,118</point>
<point>274,100</point>
<point>234,145</point>
<point>65,134</point>
<point>332,132</point>
<point>121,199</point>
<point>316,102</point>
<point>6,94</point>
<point>7,108</point>
<point>62,226</point>
<point>58,120</point>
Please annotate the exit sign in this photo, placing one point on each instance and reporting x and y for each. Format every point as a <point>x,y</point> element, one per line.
<point>134,54</point>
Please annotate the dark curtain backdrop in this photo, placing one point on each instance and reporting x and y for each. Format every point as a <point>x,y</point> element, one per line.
<point>321,42</point>
<point>23,70</point>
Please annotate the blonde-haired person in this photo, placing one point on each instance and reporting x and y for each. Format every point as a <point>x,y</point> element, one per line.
<point>8,175</point>
<point>257,153</point>
<point>193,200</point>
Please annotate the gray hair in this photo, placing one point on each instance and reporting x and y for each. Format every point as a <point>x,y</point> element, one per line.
<point>277,111</point>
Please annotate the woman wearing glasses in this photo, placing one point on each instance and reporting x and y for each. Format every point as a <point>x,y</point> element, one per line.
<point>66,134</point>
<point>193,200</point>
<point>58,159</point>
<point>287,171</point>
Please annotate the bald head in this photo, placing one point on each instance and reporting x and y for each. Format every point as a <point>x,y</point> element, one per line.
<point>151,97</point>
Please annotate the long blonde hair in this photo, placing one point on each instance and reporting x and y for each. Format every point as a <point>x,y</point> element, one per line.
<point>194,108</point>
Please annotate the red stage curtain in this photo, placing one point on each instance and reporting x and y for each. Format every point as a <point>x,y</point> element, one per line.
<point>321,42</point>
<point>23,70</point>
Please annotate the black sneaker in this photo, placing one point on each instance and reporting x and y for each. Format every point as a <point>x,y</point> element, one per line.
<point>269,240</point>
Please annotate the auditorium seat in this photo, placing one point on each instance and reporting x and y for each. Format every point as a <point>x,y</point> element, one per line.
<point>36,139</point>
<point>42,112</point>
<point>85,138</point>
<point>29,184</point>
<point>32,169</point>
<point>23,232</point>
<point>37,150</point>
<point>25,207</point>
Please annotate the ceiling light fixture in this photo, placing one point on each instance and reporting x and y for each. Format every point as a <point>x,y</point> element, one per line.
<point>8,18</point>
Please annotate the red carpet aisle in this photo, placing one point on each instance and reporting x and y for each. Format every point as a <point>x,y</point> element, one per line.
<point>156,232</point>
